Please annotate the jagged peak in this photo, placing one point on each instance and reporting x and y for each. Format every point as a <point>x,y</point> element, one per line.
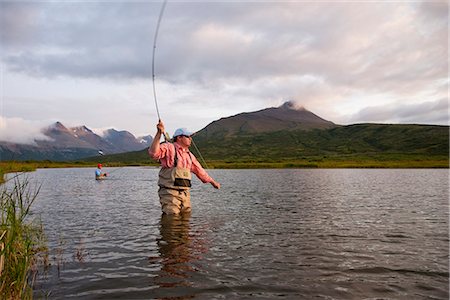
<point>115,131</point>
<point>58,126</point>
<point>82,128</point>
<point>110,130</point>
<point>110,133</point>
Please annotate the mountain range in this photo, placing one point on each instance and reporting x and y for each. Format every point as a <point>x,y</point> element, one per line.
<point>279,133</point>
<point>73,143</point>
<point>293,134</point>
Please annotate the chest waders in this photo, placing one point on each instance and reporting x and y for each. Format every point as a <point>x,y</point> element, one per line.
<point>175,178</point>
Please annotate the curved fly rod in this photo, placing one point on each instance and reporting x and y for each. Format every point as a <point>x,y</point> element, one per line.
<point>166,135</point>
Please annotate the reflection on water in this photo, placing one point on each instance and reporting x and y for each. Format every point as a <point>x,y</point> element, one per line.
<point>271,234</point>
<point>180,250</point>
<point>175,247</point>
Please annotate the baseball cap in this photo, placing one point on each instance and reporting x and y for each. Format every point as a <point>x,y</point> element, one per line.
<point>182,131</point>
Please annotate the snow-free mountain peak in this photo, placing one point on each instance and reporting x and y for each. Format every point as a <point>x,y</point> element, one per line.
<point>288,116</point>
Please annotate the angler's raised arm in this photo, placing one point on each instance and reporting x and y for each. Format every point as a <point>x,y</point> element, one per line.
<point>154,150</point>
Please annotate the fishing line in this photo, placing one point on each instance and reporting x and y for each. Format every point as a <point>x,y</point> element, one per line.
<point>117,169</point>
<point>201,156</point>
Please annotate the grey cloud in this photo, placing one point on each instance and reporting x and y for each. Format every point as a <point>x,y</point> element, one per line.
<point>84,65</point>
<point>84,40</point>
<point>263,49</point>
<point>95,39</point>
<point>430,112</point>
<point>436,11</point>
<point>246,40</point>
<point>17,23</point>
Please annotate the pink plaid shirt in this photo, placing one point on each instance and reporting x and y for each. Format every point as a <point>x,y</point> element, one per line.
<point>166,155</point>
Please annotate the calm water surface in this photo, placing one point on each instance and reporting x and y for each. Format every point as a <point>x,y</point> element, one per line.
<point>275,234</point>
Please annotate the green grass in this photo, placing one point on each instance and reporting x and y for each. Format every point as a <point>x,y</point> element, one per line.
<point>367,160</point>
<point>354,146</point>
<point>360,140</point>
<point>342,161</point>
<point>22,242</point>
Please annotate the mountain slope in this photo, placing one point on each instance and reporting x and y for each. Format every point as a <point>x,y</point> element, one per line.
<point>73,143</point>
<point>61,137</point>
<point>123,140</point>
<point>284,117</point>
<point>344,140</point>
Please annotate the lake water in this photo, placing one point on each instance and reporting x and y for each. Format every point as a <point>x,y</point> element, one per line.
<point>275,234</point>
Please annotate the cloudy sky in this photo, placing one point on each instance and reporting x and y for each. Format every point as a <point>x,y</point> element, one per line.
<point>90,62</point>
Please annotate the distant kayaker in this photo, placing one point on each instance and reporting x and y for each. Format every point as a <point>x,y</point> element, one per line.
<point>99,173</point>
<point>177,163</point>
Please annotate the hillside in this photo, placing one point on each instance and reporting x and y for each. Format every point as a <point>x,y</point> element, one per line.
<point>284,117</point>
<point>359,145</point>
<point>343,140</point>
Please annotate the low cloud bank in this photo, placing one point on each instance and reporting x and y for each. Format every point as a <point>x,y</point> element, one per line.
<point>18,130</point>
<point>431,112</point>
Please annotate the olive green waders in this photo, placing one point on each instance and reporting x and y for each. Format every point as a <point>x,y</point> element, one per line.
<point>174,189</point>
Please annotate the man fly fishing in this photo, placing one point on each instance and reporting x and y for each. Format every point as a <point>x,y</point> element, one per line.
<point>177,163</point>
<point>99,173</point>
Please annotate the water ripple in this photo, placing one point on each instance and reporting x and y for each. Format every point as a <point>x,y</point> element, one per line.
<point>267,234</point>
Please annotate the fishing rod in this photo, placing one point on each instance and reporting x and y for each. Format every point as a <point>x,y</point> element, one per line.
<point>166,135</point>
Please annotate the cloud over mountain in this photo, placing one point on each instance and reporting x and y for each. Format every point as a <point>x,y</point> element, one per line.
<point>17,130</point>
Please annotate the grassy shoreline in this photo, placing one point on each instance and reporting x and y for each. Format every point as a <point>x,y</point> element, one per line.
<point>326,162</point>
<point>388,161</point>
<point>438,164</point>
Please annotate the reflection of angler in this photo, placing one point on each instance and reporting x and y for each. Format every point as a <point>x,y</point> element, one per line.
<point>175,250</point>
<point>178,252</point>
